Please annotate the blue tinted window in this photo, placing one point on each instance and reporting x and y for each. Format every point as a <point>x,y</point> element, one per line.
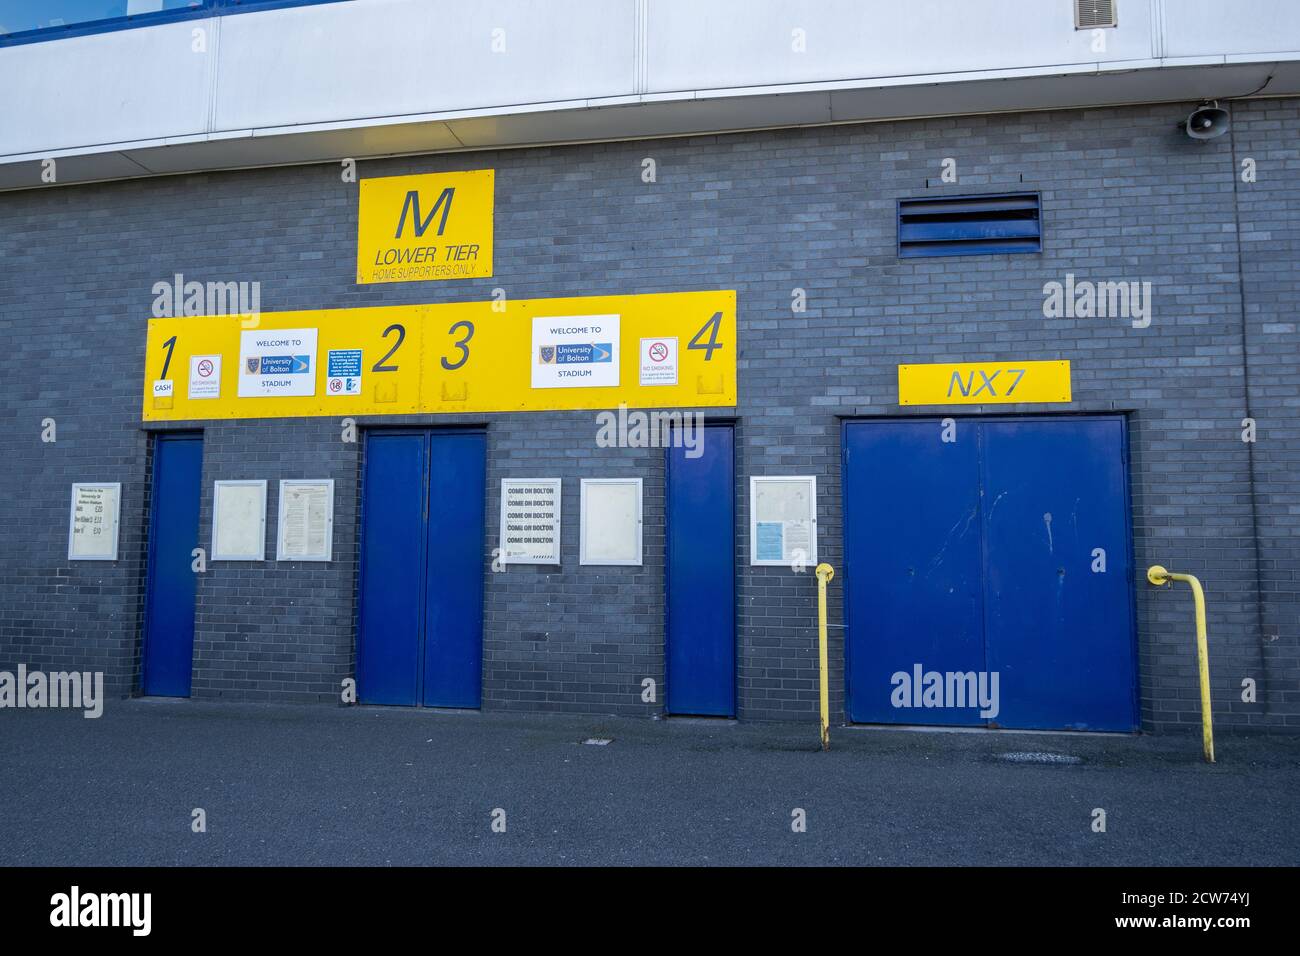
<point>22,21</point>
<point>17,16</point>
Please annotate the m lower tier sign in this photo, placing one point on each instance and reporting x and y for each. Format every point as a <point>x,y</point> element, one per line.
<point>522,355</point>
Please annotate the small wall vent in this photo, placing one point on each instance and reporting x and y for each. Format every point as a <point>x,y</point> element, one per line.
<point>1090,14</point>
<point>969,225</point>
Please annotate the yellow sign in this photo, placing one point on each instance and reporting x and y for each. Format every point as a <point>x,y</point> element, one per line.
<point>417,228</point>
<point>670,350</point>
<point>984,383</point>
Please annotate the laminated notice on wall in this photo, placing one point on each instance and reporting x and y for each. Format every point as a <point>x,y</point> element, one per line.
<point>610,515</point>
<point>530,521</point>
<point>306,521</point>
<point>783,521</point>
<point>239,520</point>
<point>92,528</point>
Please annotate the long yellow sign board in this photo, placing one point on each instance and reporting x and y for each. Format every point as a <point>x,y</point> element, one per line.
<point>664,350</point>
<point>984,383</point>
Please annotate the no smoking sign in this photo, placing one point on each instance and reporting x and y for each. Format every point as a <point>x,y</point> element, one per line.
<point>205,376</point>
<point>659,361</point>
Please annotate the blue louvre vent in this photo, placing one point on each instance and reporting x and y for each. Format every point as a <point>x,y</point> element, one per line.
<point>969,225</point>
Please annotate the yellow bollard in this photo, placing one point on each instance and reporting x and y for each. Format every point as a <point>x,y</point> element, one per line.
<point>1158,576</point>
<point>824,573</point>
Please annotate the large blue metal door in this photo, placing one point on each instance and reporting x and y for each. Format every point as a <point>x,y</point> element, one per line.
<point>912,529</point>
<point>168,657</point>
<point>1002,554</point>
<point>453,643</point>
<point>390,603</point>
<point>1059,632</point>
<point>700,582</point>
<point>420,604</point>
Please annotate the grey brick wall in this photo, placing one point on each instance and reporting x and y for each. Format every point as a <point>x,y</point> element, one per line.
<point>1125,196</point>
<point>1269,211</point>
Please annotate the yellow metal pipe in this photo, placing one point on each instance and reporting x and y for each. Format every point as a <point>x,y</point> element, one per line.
<point>1158,576</point>
<point>824,573</point>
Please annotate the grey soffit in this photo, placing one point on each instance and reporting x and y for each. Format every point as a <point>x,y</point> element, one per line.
<point>792,107</point>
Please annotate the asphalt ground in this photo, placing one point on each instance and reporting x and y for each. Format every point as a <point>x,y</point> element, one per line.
<point>308,785</point>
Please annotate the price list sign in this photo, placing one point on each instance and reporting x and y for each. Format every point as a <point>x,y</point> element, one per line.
<point>92,525</point>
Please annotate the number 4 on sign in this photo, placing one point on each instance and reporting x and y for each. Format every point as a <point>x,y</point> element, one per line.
<point>711,327</point>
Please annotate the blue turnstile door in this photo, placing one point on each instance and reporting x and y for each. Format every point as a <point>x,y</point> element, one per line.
<point>1060,633</point>
<point>168,654</point>
<point>700,582</point>
<point>1003,552</point>
<point>420,602</point>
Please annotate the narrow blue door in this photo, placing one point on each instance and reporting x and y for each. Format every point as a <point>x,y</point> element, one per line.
<point>912,571</point>
<point>699,581</point>
<point>391,602</point>
<point>1059,627</point>
<point>170,579</point>
<point>420,603</point>
<point>453,630</point>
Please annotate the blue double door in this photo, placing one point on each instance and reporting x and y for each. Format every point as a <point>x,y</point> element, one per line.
<point>989,547</point>
<point>420,600</point>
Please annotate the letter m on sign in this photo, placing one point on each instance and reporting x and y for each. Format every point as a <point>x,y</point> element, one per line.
<point>412,205</point>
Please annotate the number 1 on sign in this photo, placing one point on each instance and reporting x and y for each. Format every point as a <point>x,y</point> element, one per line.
<point>170,346</point>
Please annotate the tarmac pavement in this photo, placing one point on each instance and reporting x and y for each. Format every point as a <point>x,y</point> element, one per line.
<point>307,785</point>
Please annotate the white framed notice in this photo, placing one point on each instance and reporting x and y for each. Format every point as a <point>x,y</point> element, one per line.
<point>530,520</point>
<point>783,520</point>
<point>610,521</point>
<point>239,520</point>
<point>305,520</point>
<point>93,521</point>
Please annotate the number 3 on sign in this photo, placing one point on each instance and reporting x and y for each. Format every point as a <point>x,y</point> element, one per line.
<point>463,344</point>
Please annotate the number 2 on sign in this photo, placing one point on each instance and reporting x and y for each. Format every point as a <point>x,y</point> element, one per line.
<point>382,365</point>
